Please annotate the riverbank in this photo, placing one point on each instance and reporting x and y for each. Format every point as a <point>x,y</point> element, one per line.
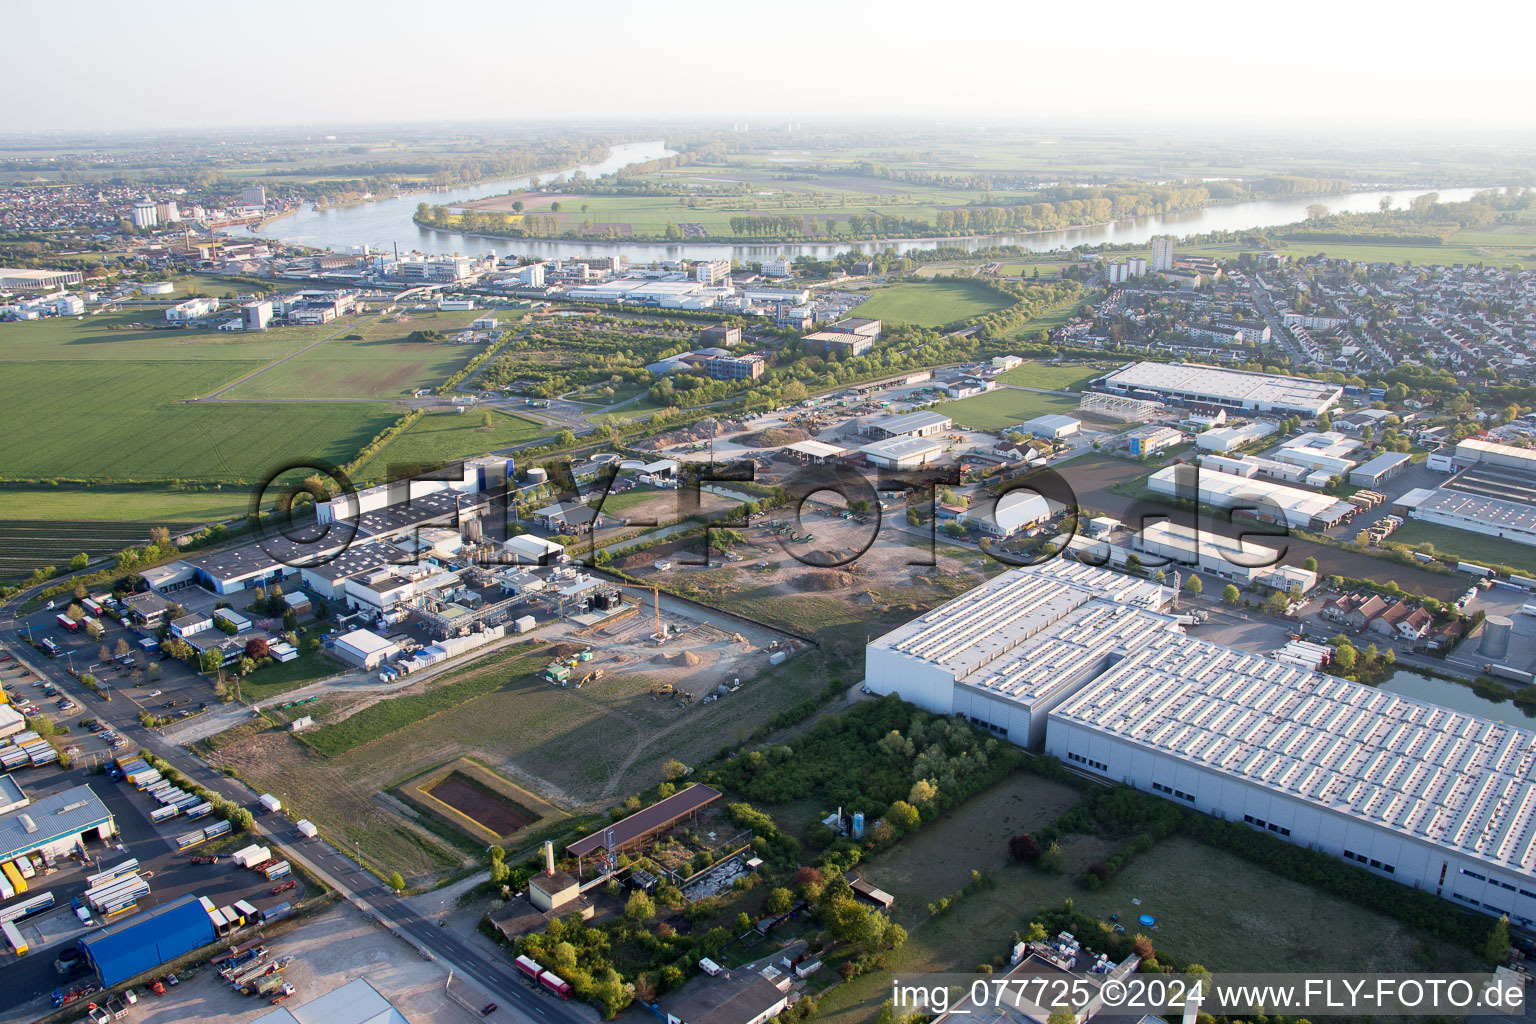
<point>887,240</point>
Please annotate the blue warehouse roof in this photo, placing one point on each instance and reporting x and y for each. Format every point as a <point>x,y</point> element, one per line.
<point>50,819</point>
<point>148,940</point>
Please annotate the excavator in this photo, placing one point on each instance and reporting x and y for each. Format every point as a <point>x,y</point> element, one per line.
<point>590,677</point>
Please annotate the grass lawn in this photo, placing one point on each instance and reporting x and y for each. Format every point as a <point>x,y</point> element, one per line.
<point>376,360</point>
<point>931,303</point>
<point>1004,408</point>
<point>1057,378</point>
<point>217,287</point>
<point>1473,547</point>
<point>1203,899</point>
<point>280,677</point>
<point>639,410</point>
<point>440,437</point>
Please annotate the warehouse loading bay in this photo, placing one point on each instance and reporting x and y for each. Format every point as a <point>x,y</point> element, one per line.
<point>31,979</point>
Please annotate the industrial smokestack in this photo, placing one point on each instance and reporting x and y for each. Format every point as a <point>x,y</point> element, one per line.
<point>549,857</point>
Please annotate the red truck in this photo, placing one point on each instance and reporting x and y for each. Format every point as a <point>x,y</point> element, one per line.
<point>555,984</point>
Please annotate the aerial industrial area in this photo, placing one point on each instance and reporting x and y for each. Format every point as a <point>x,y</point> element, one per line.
<point>729,570</point>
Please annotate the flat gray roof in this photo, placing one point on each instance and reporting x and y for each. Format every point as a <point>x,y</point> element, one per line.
<point>911,421</point>
<point>49,819</point>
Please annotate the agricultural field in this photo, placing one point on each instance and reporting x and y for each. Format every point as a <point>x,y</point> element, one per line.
<point>141,335</point>
<point>441,436</point>
<point>142,428</point>
<point>1004,408</point>
<point>50,525</point>
<point>1498,246</point>
<point>378,359</point>
<point>931,303</point>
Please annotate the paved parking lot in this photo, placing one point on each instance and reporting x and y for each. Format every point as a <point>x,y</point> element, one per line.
<point>149,684</point>
<point>170,875</point>
<point>337,947</point>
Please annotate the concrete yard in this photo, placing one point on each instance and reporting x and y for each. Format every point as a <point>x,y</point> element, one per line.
<point>339,946</point>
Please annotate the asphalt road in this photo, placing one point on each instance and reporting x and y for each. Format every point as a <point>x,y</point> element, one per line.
<point>356,885</point>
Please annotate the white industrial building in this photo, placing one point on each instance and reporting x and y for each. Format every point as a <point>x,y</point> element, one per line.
<point>1052,425</point>
<point>192,309</point>
<point>55,825</point>
<point>1328,451</point>
<point>1082,662</point>
<point>364,648</point>
<point>1004,654</point>
<point>1229,389</point>
<point>1490,453</point>
<point>27,279</point>
<point>923,423</point>
<point>1379,470</point>
<point>902,452</point>
<point>1241,561</point>
<point>1475,513</point>
<point>1266,500</point>
<point>1013,513</point>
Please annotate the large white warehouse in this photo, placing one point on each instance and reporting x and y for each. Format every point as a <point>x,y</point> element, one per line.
<point>1230,389</point>
<point>1081,662</point>
<point>1271,501</point>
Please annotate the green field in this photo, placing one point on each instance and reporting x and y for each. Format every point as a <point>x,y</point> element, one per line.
<point>1500,246</point>
<point>381,362</point>
<point>1212,908</point>
<point>118,420</point>
<point>143,334</point>
<point>107,503</point>
<point>1055,378</point>
<point>1004,408</point>
<point>441,436</point>
<point>1473,547</point>
<point>932,303</point>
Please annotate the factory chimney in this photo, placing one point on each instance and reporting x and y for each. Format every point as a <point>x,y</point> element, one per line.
<point>549,857</point>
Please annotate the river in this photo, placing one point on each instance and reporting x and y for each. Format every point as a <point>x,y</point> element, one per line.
<point>1456,697</point>
<point>387,222</point>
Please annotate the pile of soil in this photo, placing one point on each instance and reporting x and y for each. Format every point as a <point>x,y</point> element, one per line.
<point>559,651</point>
<point>700,431</point>
<point>775,437</point>
<point>821,580</point>
<point>686,659</point>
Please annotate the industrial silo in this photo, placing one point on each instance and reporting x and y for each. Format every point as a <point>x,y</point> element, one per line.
<point>1496,630</point>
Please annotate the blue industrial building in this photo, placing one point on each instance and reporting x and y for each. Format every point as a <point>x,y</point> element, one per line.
<point>142,944</point>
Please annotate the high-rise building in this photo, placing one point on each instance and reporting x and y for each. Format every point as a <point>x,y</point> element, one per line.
<point>711,271</point>
<point>253,195</point>
<point>144,215</point>
<point>255,316</point>
<point>1162,253</point>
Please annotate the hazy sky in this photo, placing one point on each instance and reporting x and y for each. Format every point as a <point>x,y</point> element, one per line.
<point>102,64</point>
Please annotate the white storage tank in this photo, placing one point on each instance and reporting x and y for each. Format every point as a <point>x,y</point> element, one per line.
<point>537,475</point>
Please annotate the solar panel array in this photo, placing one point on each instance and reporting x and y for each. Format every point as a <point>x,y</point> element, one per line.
<point>1419,769</point>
